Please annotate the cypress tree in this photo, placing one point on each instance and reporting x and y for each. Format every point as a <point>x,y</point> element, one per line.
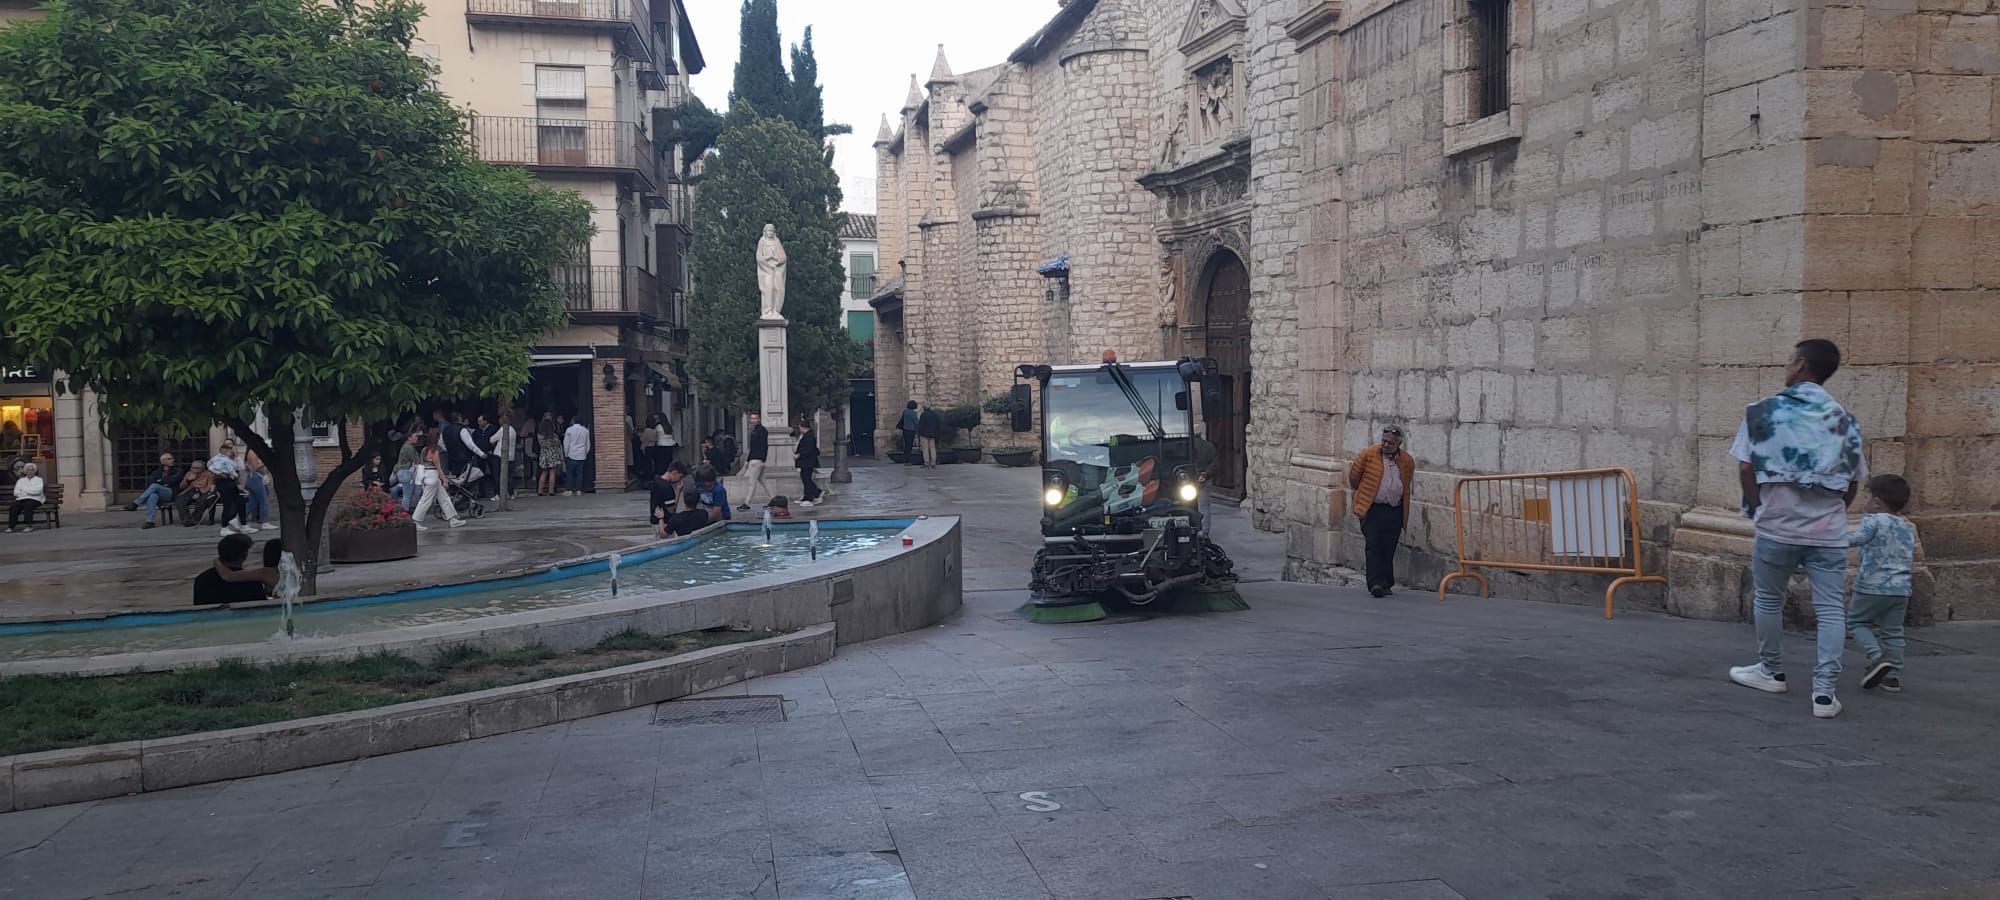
<point>760,66</point>
<point>808,100</point>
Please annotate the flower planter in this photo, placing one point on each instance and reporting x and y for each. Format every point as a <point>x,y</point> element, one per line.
<point>373,545</point>
<point>898,456</point>
<point>968,454</point>
<point>1015,460</point>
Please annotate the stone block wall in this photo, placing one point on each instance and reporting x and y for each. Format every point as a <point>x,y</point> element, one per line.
<point>1097,104</point>
<point>1276,233</point>
<point>1525,302</point>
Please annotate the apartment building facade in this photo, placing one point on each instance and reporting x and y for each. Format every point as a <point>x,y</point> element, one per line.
<point>582,93</point>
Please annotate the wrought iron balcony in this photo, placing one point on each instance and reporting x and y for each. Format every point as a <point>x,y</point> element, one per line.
<point>569,145</point>
<point>629,21</point>
<point>611,291</point>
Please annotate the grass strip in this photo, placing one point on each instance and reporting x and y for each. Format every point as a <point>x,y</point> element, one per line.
<point>52,712</point>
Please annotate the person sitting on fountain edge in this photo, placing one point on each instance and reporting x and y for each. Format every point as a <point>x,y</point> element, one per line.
<point>226,581</point>
<point>694,516</point>
<point>665,490</point>
<point>712,491</point>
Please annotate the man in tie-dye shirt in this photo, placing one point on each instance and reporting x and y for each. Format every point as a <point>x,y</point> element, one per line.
<point>1799,461</point>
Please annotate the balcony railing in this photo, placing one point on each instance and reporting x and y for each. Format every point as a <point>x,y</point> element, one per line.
<point>861,287</point>
<point>680,205</point>
<point>611,290</point>
<point>629,20</point>
<point>572,145</point>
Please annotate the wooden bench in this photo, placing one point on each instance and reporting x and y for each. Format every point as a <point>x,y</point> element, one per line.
<point>51,508</point>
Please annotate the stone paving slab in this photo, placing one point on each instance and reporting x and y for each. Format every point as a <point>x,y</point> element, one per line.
<point>1475,749</point>
<point>1324,744</point>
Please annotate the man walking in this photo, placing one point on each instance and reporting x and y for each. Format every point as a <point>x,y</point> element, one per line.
<point>806,456</point>
<point>929,427</point>
<point>160,489</point>
<point>1799,461</point>
<point>759,456</point>
<point>1380,477</point>
<point>908,426</point>
<point>576,453</point>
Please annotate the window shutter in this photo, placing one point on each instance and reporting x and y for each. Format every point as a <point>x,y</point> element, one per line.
<point>559,83</point>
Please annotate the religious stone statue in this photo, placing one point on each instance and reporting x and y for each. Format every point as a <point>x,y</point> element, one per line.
<point>771,273</point>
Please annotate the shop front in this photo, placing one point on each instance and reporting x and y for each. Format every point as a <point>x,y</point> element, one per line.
<point>27,421</point>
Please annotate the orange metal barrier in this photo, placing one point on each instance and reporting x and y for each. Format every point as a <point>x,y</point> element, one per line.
<point>1585,520</point>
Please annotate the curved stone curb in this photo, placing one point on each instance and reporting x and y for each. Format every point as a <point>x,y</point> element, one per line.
<point>55,777</point>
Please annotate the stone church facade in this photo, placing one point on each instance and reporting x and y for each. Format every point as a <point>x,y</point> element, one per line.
<point>1539,234</point>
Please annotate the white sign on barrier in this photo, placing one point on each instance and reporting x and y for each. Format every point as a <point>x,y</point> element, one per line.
<point>1586,516</point>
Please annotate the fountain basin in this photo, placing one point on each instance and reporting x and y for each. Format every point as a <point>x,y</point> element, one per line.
<point>866,593</point>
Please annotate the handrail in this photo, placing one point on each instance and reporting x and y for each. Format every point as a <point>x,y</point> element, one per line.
<point>567,144</point>
<point>1568,521</point>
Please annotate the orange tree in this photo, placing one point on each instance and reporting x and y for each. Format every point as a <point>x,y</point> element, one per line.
<point>214,207</point>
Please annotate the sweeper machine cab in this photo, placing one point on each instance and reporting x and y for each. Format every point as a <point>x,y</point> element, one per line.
<point>1122,476</point>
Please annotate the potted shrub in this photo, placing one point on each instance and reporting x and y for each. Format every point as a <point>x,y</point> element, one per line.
<point>370,526</point>
<point>970,453</point>
<point>1014,457</point>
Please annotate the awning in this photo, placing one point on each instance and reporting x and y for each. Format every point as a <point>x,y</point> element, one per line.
<point>664,373</point>
<point>558,359</point>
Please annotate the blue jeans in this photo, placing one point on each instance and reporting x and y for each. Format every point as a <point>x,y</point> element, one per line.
<point>405,490</point>
<point>259,505</point>
<point>1771,566</point>
<point>154,495</point>
<point>573,473</point>
<point>1883,613</point>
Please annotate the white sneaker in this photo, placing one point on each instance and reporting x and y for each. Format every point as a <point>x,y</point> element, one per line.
<point>246,529</point>
<point>1756,676</point>
<point>1825,706</point>
<point>270,526</point>
<point>804,504</point>
<point>422,527</point>
<point>228,530</point>
<point>458,523</point>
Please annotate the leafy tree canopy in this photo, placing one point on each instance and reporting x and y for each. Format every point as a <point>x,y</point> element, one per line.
<point>767,170</point>
<point>212,205</point>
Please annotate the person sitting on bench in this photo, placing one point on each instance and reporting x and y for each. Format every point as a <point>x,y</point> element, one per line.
<point>28,497</point>
<point>197,493</point>
<point>227,581</point>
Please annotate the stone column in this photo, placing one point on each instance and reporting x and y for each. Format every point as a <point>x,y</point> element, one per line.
<point>774,393</point>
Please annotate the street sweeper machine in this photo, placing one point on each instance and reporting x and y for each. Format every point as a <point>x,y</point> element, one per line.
<point>1122,483</point>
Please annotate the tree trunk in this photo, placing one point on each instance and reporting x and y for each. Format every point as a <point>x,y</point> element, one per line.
<point>300,524</point>
<point>840,473</point>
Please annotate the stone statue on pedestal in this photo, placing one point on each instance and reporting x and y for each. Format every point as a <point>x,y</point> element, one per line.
<point>773,374</point>
<point>771,273</point>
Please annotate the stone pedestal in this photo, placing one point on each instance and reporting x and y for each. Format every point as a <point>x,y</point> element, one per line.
<point>774,397</point>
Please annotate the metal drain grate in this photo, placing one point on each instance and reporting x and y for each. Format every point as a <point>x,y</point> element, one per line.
<point>757,709</point>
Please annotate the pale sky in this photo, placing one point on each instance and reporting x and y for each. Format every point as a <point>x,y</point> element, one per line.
<point>867,50</point>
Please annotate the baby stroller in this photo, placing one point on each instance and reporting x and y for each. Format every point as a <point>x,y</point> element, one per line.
<point>463,498</point>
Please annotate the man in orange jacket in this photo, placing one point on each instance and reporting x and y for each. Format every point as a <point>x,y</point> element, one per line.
<point>1380,477</point>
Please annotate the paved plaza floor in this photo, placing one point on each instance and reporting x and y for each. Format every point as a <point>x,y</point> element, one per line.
<point>1323,744</point>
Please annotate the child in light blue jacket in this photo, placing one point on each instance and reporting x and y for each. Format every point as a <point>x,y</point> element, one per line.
<point>1888,544</point>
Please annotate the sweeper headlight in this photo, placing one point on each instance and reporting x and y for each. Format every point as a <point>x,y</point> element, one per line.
<point>1189,492</point>
<point>1054,490</point>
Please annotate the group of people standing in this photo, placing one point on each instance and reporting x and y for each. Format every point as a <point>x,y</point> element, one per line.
<point>921,429</point>
<point>451,453</point>
<point>1800,466</point>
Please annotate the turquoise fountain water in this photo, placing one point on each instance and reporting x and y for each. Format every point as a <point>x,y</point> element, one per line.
<point>741,552</point>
